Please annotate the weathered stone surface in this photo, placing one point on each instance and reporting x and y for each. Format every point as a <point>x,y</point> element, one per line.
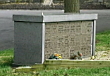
<point>67,38</point>
<point>27,43</point>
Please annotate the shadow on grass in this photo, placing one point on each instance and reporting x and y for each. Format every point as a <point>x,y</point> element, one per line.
<point>6,61</point>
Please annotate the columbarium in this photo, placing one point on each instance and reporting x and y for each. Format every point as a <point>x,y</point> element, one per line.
<point>37,37</point>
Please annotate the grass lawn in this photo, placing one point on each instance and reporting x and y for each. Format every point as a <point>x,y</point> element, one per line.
<point>102,44</point>
<point>103,41</point>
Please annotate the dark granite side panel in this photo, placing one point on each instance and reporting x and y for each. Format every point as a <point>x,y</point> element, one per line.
<point>28,43</point>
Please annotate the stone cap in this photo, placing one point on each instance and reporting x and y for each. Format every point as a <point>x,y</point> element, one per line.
<point>54,18</point>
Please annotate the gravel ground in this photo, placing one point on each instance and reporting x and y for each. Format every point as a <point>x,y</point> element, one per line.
<point>100,55</point>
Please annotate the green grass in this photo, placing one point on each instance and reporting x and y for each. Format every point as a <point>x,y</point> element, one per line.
<point>103,41</point>
<point>8,52</point>
<point>6,59</point>
<point>102,44</point>
<point>77,72</point>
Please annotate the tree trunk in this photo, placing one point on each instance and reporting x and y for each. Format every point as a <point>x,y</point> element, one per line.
<point>103,2</point>
<point>97,1</point>
<point>71,6</point>
<point>41,1</point>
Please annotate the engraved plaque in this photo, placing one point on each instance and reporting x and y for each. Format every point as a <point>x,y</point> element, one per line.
<point>67,38</point>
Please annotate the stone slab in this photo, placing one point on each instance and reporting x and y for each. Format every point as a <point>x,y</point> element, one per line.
<point>27,43</point>
<point>54,18</point>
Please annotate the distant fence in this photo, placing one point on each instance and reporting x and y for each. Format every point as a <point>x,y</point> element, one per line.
<point>30,6</point>
<point>33,6</point>
<point>57,4</point>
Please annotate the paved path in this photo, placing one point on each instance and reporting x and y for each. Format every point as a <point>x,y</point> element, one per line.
<point>7,24</point>
<point>103,22</point>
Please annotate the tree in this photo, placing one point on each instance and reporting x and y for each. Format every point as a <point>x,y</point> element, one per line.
<point>71,6</point>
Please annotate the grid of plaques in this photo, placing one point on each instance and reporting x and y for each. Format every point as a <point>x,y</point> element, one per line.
<point>67,38</point>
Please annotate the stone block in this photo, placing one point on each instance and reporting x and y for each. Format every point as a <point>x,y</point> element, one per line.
<point>38,37</point>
